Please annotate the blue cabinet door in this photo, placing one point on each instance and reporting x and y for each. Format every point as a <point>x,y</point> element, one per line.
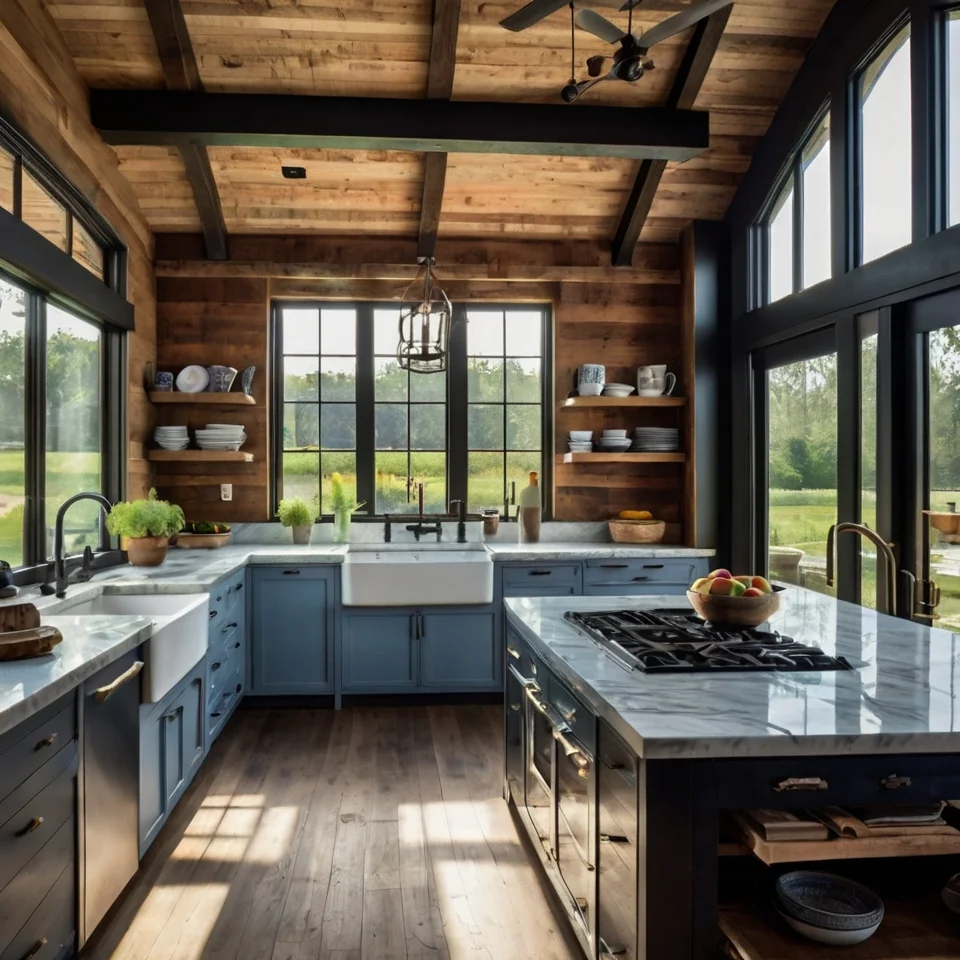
<point>459,651</point>
<point>379,652</point>
<point>293,630</point>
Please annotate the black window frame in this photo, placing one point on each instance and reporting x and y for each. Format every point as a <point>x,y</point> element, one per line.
<point>792,172</point>
<point>49,275</point>
<point>456,399</point>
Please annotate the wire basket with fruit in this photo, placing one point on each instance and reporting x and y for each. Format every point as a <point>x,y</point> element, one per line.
<point>743,601</point>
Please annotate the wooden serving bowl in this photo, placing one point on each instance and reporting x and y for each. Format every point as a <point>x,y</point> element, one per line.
<point>735,611</point>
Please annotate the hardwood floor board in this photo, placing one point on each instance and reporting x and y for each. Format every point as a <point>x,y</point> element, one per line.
<point>276,852</point>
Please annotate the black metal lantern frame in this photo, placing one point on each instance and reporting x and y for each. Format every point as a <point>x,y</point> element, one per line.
<point>424,324</point>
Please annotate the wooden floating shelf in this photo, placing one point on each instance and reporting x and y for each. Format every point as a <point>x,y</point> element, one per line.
<point>582,402</point>
<point>200,456</point>
<point>213,399</point>
<point>773,852</point>
<point>622,458</point>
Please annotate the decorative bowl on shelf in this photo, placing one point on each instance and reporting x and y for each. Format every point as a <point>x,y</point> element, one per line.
<point>636,531</point>
<point>221,378</point>
<point>736,611</point>
<point>193,379</point>
<point>950,894</point>
<point>827,908</point>
<point>590,389</point>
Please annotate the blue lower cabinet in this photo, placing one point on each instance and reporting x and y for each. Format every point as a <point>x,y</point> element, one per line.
<point>379,652</point>
<point>172,748</point>
<point>292,630</point>
<point>639,577</point>
<point>459,651</point>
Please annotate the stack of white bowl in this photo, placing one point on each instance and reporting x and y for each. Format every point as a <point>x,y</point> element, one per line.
<point>221,436</point>
<point>656,439</point>
<point>615,441</point>
<point>580,441</point>
<point>172,438</point>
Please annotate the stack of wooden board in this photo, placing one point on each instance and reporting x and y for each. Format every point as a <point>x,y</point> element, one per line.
<point>21,635</point>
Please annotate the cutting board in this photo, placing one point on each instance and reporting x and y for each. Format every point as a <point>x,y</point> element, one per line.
<point>19,616</point>
<point>23,644</point>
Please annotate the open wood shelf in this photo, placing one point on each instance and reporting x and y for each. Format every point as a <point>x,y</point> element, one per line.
<point>920,929</point>
<point>200,456</point>
<point>581,402</point>
<point>622,458</point>
<point>213,399</point>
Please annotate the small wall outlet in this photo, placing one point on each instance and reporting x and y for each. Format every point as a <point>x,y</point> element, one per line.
<point>226,491</point>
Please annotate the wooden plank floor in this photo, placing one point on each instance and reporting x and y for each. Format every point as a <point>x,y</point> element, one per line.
<point>373,832</point>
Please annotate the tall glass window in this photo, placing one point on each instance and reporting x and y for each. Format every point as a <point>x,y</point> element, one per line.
<point>815,170</point>
<point>953,105</point>
<point>780,244</point>
<point>885,150</point>
<point>13,490</point>
<point>869,341</point>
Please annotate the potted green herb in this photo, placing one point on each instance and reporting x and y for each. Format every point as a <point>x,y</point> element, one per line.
<point>343,508</point>
<point>145,528</point>
<point>297,513</point>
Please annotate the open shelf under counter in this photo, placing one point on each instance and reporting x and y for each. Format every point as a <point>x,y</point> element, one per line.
<point>199,456</point>
<point>212,399</point>
<point>572,403</point>
<point>624,458</point>
<point>921,929</point>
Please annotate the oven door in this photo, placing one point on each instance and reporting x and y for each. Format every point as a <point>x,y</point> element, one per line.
<point>514,722</point>
<point>538,770</point>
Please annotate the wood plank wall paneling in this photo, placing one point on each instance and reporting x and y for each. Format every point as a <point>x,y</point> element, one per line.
<point>212,321</point>
<point>622,325</point>
<point>42,92</point>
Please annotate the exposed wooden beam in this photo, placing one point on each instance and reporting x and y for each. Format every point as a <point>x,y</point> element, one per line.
<point>443,62</point>
<point>693,70</point>
<point>169,118</point>
<point>181,73</point>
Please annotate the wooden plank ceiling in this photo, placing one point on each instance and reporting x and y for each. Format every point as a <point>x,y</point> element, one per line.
<point>383,48</point>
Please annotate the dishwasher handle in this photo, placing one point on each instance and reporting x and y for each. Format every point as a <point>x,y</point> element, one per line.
<point>106,692</point>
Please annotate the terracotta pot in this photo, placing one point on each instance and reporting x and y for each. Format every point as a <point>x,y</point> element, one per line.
<point>301,534</point>
<point>145,551</point>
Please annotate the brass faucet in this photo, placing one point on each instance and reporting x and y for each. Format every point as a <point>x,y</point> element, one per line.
<point>883,549</point>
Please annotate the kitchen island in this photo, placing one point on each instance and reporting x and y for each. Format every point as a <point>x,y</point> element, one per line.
<point>621,777</point>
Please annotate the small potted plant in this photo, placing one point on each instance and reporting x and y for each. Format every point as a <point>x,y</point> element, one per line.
<point>343,509</point>
<point>145,528</point>
<point>297,513</point>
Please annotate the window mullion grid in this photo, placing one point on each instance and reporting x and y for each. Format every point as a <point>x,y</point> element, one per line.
<point>798,221</point>
<point>457,408</point>
<point>503,398</point>
<point>365,410</point>
<point>35,429</point>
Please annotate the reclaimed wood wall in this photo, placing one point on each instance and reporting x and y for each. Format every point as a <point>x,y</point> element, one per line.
<point>42,93</point>
<point>622,323</point>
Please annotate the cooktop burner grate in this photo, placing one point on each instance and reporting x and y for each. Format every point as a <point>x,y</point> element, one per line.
<point>678,641</point>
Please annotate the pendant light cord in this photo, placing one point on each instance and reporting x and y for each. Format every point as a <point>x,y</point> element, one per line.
<point>573,44</point>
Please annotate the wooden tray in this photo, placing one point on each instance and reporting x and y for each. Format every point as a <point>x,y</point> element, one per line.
<point>19,616</point>
<point>203,541</point>
<point>23,644</point>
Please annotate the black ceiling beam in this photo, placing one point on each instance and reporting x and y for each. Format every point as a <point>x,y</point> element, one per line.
<point>181,72</point>
<point>443,63</point>
<point>170,118</point>
<point>693,70</point>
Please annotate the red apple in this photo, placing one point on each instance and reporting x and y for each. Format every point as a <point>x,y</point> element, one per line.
<point>752,592</point>
<point>721,574</point>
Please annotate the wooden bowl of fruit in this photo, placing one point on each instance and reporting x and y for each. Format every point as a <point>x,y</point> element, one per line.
<point>743,601</point>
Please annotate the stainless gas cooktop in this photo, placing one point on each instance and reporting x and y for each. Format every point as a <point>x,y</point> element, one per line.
<point>678,641</point>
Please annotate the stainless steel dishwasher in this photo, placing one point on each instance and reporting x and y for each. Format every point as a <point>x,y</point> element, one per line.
<point>109,787</point>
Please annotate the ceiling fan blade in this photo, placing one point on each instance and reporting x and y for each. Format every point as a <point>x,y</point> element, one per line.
<point>601,27</point>
<point>532,13</point>
<point>680,22</point>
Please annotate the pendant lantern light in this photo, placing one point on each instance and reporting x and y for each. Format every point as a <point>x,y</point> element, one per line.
<point>425,316</point>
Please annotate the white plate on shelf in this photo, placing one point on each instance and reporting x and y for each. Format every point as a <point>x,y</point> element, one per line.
<point>193,379</point>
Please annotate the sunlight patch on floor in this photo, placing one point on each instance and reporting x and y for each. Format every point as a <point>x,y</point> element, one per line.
<point>274,835</point>
<point>238,800</point>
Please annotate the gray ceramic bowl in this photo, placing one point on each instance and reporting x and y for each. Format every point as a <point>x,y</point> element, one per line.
<point>951,894</point>
<point>827,901</point>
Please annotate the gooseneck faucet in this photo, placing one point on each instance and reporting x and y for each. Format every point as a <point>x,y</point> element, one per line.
<point>461,519</point>
<point>61,581</point>
<point>883,549</point>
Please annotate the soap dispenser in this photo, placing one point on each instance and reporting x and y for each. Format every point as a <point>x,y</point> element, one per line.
<point>528,514</point>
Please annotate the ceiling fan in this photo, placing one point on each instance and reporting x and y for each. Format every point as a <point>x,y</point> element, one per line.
<point>630,61</point>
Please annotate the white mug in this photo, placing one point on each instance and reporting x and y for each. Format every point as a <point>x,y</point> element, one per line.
<point>655,386</point>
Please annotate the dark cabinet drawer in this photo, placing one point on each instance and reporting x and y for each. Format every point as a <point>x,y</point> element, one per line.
<point>638,571</point>
<point>34,742</point>
<point>827,781</point>
<point>26,891</point>
<point>51,930</point>
<point>42,814</point>
<point>541,579</point>
<point>576,715</point>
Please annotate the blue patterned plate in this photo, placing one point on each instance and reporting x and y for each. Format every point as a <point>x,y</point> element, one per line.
<point>828,901</point>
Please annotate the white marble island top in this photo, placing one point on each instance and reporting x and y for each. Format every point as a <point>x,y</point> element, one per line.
<point>900,698</point>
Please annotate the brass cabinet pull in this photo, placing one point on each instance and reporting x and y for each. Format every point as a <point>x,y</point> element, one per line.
<point>515,707</point>
<point>895,783</point>
<point>35,824</point>
<point>801,783</point>
<point>46,742</point>
<point>35,949</point>
<point>104,693</point>
<point>514,652</point>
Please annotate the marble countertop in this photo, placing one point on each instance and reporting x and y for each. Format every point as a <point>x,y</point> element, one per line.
<point>900,698</point>
<point>586,551</point>
<point>89,644</point>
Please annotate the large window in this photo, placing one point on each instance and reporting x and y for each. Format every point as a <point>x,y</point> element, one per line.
<point>953,116</point>
<point>886,168</point>
<point>796,229</point>
<point>13,489</point>
<point>347,407</point>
